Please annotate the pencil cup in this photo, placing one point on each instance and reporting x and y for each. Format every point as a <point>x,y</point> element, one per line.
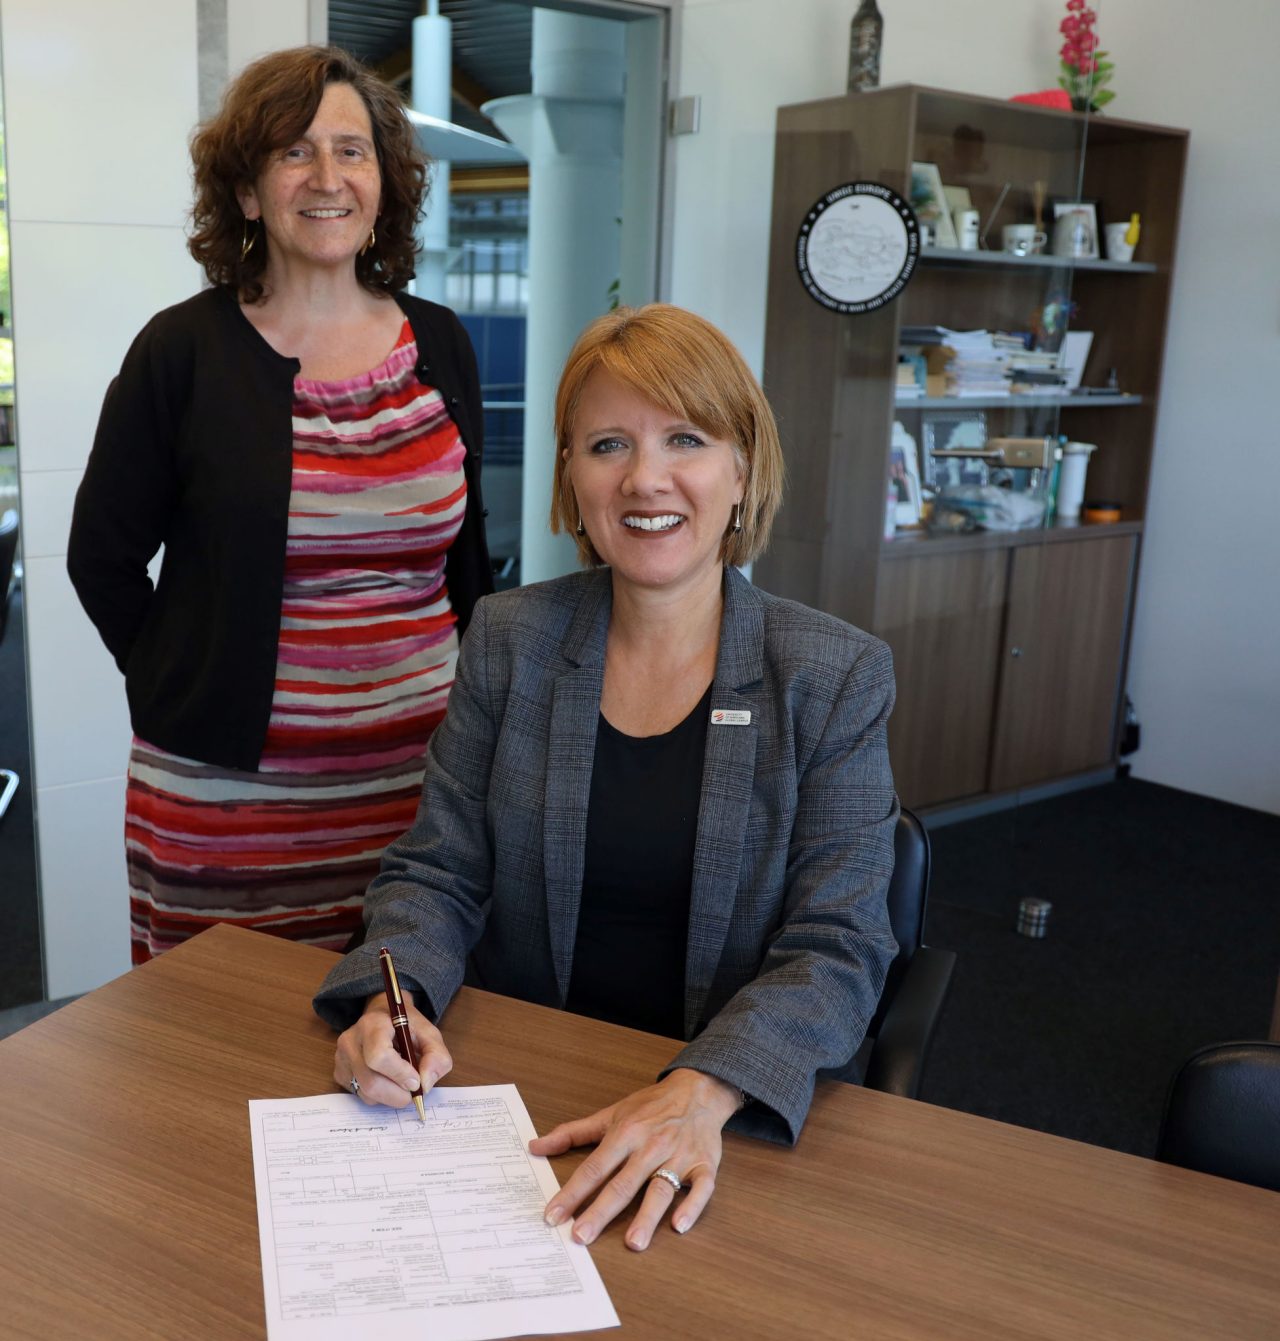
<point>1033,918</point>
<point>1075,462</point>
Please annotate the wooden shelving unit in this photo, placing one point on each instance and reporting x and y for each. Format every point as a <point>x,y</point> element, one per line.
<point>1010,648</point>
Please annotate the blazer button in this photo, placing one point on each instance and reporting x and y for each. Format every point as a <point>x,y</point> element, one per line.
<point>453,400</point>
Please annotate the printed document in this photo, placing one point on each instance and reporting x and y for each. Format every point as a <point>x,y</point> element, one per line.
<point>375,1225</point>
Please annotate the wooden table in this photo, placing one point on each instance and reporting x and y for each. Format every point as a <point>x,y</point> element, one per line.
<point>128,1197</point>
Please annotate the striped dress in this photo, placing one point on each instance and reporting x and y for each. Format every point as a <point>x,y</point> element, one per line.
<point>368,644</point>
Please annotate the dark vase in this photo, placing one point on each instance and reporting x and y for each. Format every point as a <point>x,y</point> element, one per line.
<point>866,33</point>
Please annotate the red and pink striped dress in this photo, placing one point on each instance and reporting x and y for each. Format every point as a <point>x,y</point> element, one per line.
<point>368,644</point>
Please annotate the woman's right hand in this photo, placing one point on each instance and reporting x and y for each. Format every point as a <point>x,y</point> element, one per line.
<point>367,1053</point>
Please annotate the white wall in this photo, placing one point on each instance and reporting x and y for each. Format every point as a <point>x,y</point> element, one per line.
<point>99,183</point>
<point>1205,667</point>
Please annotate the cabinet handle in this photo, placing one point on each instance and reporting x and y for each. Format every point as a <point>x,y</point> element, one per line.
<point>1015,652</point>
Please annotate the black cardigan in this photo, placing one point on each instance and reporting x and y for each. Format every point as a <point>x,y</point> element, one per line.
<point>194,451</point>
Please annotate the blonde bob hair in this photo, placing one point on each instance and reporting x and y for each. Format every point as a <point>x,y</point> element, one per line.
<point>684,364</point>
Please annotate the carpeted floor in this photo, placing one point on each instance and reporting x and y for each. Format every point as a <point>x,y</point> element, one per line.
<point>1164,936</point>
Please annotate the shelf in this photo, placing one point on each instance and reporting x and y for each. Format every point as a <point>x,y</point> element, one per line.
<point>1001,260</point>
<point>1010,402</point>
<point>908,543</point>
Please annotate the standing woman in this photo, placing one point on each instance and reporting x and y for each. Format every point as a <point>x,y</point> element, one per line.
<point>303,441</point>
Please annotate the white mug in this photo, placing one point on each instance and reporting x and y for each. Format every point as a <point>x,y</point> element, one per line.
<point>1022,239</point>
<point>967,229</point>
<point>1117,248</point>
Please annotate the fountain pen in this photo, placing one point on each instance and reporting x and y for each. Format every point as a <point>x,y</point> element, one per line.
<point>400,1022</point>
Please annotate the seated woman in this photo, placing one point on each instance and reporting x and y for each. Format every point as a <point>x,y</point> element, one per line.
<point>660,796</point>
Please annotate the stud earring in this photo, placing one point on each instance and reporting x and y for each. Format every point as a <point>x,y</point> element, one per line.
<point>737,517</point>
<point>373,237</point>
<point>247,238</point>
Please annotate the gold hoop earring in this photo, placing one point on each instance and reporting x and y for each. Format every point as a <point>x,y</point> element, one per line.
<point>247,239</point>
<point>737,518</point>
<point>373,237</point>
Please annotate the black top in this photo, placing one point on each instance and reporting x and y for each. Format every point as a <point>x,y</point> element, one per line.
<point>633,924</point>
<point>194,453</point>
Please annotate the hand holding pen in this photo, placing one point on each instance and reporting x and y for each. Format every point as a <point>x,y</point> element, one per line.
<point>378,1073</point>
<point>400,1022</point>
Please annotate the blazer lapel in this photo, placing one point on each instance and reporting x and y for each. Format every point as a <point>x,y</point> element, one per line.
<point>575,711</point>
<point>728,775</point>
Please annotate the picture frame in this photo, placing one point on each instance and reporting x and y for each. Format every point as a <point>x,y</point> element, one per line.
<point>904,472</point>
<point>929,201</point>
<point>1072,357</point>
<point>952,430</point>
<point>1092,251</point>
<point>957,197</point>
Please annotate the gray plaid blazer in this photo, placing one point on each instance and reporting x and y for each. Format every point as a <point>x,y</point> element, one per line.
<point>789,937</point>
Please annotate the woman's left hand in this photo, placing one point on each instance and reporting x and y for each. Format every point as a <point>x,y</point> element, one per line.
<point>673,1125</point>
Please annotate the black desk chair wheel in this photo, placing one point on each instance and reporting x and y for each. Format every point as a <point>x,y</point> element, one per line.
<point>919,978</point>
<point>1222,1115</point>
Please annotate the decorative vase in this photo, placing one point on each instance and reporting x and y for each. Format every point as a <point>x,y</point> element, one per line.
<point>866,34</point>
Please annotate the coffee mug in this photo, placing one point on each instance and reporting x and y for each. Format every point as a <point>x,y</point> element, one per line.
<point>1117,248</point>
<point>1022,239</point>
<point>967,229</point>
<point>1073,235</point>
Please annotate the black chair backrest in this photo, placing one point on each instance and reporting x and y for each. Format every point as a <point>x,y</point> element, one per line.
<point>8,547</point>
<point>8,551</point>
<point>908,895</point>
<point>1223,1114</point>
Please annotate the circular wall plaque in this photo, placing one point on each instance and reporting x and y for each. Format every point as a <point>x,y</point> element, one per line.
<point>857,247</point>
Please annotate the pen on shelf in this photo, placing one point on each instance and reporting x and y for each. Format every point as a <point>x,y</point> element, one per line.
<point>400,1022</point>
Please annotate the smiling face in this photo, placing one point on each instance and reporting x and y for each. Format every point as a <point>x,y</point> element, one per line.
<point>656,493</point>
<point>318,196</point>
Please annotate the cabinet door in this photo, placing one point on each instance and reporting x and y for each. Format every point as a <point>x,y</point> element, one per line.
<point>942,615</point>
<point>1063,652</point>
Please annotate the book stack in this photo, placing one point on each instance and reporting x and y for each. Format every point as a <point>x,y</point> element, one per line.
<point>1036,372</point>
<point>912,374</point>
<point>979,367</point>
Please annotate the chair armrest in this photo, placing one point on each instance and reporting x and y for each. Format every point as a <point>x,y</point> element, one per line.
<point>897,1060</point>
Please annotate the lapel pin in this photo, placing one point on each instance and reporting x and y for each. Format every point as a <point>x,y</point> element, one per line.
<point>730,717</point>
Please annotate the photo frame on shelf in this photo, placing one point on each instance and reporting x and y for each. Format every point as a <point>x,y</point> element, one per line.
<point>904,472</point>
<point>929,200</point>
<point>1072,357</point>
<point>957,197</point>
<point>1090,251</point>
<point>949,431</point>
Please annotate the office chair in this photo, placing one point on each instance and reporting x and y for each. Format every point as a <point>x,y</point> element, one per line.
<point>1222,1115</point>
<point>8,556</point>
<point>918,980</point>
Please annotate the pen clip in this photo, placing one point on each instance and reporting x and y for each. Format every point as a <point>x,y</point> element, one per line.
<point>390,969</point>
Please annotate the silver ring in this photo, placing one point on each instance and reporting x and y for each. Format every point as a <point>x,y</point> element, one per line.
<point>355,1086</point>
<point>669,1176</point>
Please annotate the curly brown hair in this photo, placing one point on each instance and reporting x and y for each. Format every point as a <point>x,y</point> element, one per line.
<point>268,106</point>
